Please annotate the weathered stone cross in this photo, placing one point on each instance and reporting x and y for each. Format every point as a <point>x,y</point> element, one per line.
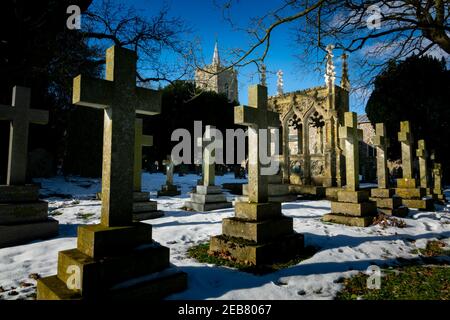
<point>256,117</point>
<point>382,143</point>
<point>169,170</point>
<point>120,99</point>
<point>406,139</point>
<point>209,170</point>
<point>437,175</point>
<point>20,115</point>
<point>140,140</point>
<point>352,135</point>
<point>422,154</point>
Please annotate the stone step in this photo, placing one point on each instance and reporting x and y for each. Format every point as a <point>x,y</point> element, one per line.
<point>145,206</point>
<point>26,212</point>
<point>273,189</point>
<point>348,220</point>
<point>208,198</point>
<point>382,193</point>
<point>387,203</point>
<point>315,191</point>
<point>202,207</point>
<point>363,209</point>
<point>95,274</point>
<point>257,231</point>
<point>401,211</point>
<point>274,199</point>
<point>15,234</point>
<point>24,193</point>
<point>208,189</point>
<point>421,204</point>
<point>142,216</point>
<point>410,193</point>
<point>257,211</point>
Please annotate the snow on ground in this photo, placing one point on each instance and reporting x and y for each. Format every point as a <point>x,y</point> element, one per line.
<point>343,250</point>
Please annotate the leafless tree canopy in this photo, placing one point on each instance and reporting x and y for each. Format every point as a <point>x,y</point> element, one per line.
<point>377,30</point>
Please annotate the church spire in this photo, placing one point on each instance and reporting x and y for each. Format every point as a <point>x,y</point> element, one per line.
<point>216,58</point>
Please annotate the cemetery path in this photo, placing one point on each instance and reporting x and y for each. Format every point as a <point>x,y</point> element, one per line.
<point>343,251</point>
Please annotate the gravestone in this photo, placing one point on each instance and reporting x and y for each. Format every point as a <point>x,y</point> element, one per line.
<point>259,233</point>
<point>438,193</point>
<point>169,189</point>
<point>143,207</point>
<point>116,259</point>
<point>384,196</point>
<point>353,206</point>
<point>207,195</point>
<point>23,217</point>
<point>422,154</point>
<point>413,196</point>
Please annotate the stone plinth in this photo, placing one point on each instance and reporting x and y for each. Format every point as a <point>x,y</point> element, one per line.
<point>413,196</point>
<point>309,191</point>
<point>206,198</point>
<point>23,217</point>
<point>134,266</point>
<point>258,234</point>
<point>388,203</point>
<point>143,207</point>
<point>352,208</point>
<point>168,190</point>
<point>278,192</point>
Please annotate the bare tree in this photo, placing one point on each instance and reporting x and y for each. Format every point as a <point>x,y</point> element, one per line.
<point>153,38</point>
<point>380,30</point>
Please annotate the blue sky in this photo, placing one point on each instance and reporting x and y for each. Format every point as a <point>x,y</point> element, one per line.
<point>207,24</point>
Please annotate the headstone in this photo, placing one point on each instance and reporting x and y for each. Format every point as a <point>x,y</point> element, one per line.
<point>259,234</point>
<point>168,189</point>
<point>384,196</point>
<point>438,193</point>
<point>352,207</point>
<point>422,154</point>
<point>116,259</point>
<point>413,196</point>
<point>23,217</point>
<point>207,195</point>
<point>143,207</point>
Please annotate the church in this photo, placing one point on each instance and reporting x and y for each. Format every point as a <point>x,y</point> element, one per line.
<point>218,78</point>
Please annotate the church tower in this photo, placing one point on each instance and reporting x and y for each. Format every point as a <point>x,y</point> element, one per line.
<point>215,78</point>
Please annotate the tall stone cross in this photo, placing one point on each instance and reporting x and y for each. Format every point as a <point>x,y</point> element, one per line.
<point>382,143</point>
<point>20,115</point>
<point>169,170</point>
<point>422,154</point>
<point>256,117</point>
<point>209,167</point>
<point>140,140</point>
<point>406,139</point>
<point>437,177</point>
<point>120,99</point>
<point>351,135</point>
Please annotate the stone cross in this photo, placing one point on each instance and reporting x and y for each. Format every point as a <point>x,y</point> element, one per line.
<point>422,154</point>
<point>351,135</point>
<point>437,177</point>
<point>406,139</point>
<point>20,115</point>
<point>140,140</point>
<point>256,117</point>
<point>382,143</point>
<point>169,170</point>
<point>209,170</point>
<point>120,99</point>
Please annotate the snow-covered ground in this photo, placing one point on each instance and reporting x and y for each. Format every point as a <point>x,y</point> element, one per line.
<point>343,250</point>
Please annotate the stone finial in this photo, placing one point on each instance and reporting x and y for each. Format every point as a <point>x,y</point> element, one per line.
<point>345,82</point>
<point>330,74</point>
<point>280,82</point>
<point>216,58</point>
<point>263,75</point>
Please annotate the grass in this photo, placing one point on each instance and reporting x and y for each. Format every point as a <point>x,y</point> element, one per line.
<point>405,283</point>
<point>200,253</point>
<point>413,282</point>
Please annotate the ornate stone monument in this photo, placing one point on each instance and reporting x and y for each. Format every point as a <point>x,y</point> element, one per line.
<point>353,207</point>
<point>438,193</point>
<point>169,189</point>
<point>116,259</point>
<point>384,196</point>
<point>407,187</point>
<point>208,196</point>
<point>23,217</point>
<point>259,233</point>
